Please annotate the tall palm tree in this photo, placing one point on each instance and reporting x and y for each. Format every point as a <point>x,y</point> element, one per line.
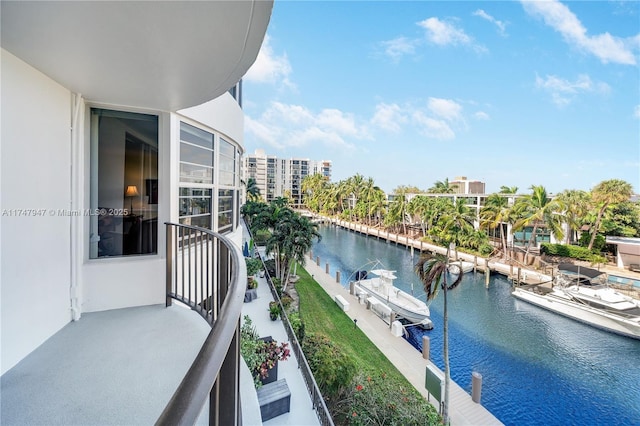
<point>458,222</point>
<point>432,271</point>
<point>604,194</point>
<point>575,205</point>
<point>291,239</point>
<point>538,209</point>
<point>253,190</point>
<point>494,214</point>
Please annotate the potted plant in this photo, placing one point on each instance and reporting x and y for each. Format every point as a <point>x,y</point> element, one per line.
<point>261,354</point>
<point>274,310</point>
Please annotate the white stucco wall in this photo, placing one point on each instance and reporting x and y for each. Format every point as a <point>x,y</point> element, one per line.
<point>35,168</point>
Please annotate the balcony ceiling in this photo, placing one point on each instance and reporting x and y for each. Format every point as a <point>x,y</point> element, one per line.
<point>152,54</point>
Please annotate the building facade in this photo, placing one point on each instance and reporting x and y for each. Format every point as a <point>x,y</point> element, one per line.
<point>111,132</point>
<point>279,177</point>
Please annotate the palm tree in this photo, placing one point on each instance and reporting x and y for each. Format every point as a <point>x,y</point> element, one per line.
<point>604,194</point>
<point>253,191</point>
<point>291,239</point>
<point>442,187</point>
<point>508,189</point>
<point>432,270</point>
<point>538,209</point>
<point>495,212</point>
<point>575,204</point>
<point>457,222</point>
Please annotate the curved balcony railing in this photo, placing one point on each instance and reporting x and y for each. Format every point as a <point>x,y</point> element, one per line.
<point>205,271</point>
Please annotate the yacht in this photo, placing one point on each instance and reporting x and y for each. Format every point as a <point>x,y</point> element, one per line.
<point>380,287</point>
<point>582,294</point>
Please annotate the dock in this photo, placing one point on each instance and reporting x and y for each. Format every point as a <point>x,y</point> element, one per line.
<point>407,359</point>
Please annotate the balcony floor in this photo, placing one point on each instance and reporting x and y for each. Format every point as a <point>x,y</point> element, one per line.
<point>112,367</point>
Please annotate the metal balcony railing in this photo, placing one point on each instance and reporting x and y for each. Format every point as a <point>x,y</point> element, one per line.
<point>206,272</point>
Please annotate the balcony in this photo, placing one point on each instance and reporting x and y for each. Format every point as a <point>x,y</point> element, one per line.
<point>123,366</point>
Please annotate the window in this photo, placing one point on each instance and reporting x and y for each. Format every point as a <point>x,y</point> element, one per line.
<point>124,183</point>
<point>225,210</point>
<point>227,163</point>
<point>196,155</point>
<point>195,207</point>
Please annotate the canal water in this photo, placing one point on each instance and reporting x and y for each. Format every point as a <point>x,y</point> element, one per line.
<point>538,368</point>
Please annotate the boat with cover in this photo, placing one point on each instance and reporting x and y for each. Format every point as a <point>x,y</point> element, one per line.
<point>381,288</point>
<point>457,265</point>
<point>581,293</point>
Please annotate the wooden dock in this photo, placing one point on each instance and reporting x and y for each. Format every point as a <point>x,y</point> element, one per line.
<point>408,360</point>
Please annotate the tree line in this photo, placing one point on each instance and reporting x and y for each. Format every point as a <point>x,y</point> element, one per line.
<point>572,216</point>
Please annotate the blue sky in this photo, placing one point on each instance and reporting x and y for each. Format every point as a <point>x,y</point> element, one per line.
<point>408,93</point>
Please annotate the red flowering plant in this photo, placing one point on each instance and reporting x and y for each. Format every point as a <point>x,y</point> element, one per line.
<point>260,355</point>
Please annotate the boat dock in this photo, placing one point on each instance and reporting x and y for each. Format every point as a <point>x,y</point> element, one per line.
<point>408,360</point>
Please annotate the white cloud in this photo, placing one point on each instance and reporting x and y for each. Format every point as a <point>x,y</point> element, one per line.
<point>399,47</point>
<point>605,47</point>
<point>283,125</point>
<point>389,117</point>
<point>445,108</point>
<point>433,128</point>
<point>484,15</point>
<point>480,115</point>
<point>564,91</point>
<point>270,68</point>
<point>443,33</point>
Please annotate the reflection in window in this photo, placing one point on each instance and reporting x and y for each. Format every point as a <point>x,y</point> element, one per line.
<point>225,210</point>
<point>195,207</point>
<point>124,183</point>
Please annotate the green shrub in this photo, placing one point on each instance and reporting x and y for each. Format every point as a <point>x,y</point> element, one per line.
<point>253,265</point>
<point>380,399</point>
<point>286,301</point>
<point>297,324</point>
<point>332,369</point>
<point>574,252</point>
<point>261,236</point>
<point>598,244</point>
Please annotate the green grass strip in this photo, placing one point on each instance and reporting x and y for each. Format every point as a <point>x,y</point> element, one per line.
<point>323,316</point>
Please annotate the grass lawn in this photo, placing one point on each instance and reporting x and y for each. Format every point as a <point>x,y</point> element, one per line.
<point>322,315</point>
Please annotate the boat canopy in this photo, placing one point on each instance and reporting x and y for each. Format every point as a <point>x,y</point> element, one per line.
<point>579,270</point>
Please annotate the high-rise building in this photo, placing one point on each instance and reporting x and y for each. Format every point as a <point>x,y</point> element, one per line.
<point>279,177</point>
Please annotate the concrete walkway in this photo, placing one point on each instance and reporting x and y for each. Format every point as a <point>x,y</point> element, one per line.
<point>462,410</point>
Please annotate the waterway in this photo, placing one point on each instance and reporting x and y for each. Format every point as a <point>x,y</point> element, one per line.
<point>537,367</point>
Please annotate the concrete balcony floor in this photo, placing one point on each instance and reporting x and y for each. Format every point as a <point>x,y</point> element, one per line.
<point>113,367</point>
<point>121,367</point>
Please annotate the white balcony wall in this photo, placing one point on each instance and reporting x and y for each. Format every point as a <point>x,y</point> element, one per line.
<point>35,174</point>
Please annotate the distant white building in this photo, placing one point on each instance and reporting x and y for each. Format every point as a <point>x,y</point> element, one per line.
<point>465,186</point>
<point>280,177</point>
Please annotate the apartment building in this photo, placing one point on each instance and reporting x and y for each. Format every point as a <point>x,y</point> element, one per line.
<point>280,177</point>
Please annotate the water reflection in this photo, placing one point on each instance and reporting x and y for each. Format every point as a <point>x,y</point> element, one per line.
<point>537,367</point>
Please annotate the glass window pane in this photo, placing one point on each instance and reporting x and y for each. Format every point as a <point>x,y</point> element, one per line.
<point>195,136</point>
<point>124,183</point>
<point>195,174</point>
<point>196,155</point>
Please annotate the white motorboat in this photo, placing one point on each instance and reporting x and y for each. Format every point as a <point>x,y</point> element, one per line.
<point>457,265</point>
<point>580,293</point>
<point>381,288</point>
